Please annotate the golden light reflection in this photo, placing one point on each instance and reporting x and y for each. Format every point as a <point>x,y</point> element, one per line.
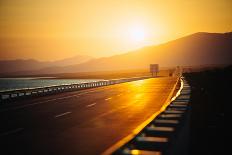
<point>138,83</point>
<point>138,95</point>
<point>135,152</point>
<point>138,88</point>
<point>138,152</point>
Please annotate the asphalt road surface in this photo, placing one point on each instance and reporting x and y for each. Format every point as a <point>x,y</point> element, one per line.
<point>85,122</point>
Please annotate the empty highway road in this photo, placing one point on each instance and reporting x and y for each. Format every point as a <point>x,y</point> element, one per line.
<point>85,122</point>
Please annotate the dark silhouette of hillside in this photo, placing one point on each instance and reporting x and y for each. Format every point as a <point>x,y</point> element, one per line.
<point>19,65</point>
<point>196,49</point>
<point>8,66</point>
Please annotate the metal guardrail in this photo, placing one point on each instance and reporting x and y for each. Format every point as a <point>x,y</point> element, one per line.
<point>40,91</point>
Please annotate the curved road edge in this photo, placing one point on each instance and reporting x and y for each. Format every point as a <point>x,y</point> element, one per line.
<point>136,131</point>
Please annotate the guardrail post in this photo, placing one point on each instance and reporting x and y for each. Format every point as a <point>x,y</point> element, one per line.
<point>11,96</point>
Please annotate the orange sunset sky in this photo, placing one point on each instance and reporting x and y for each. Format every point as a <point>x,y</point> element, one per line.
<point>57,29</point>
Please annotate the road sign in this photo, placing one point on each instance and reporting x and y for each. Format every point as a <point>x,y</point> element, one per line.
<point>154,69</point>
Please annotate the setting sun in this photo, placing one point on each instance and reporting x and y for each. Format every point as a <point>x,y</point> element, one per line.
<point>137,34</point>
<point>50,30</point>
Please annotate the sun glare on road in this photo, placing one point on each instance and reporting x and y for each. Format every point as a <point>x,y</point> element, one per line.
<point>139,82</point>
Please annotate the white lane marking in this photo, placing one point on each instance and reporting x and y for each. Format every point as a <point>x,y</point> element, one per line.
<point>28,105</point>
<point>11,132</point>
<point>61,98</point>
<point>114,110</point>
<point>66,113</point>
<point>86,92</point>
<point>108,98</point>
<point>90,105</point>
<point>83,93</point>
<point>119,94</point>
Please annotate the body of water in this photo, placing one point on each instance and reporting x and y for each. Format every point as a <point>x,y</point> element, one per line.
<point>20,83</point>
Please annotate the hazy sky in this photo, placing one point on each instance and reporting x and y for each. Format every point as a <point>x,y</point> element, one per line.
<point>56,29</point>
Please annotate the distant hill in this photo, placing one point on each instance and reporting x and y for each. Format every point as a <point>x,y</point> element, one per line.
<point>8,66</point>
<point>73,60</point>
<point>196,49</point>
<point>19,65</point>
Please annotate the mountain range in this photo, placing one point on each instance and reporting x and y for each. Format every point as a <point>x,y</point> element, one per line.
<point>197,49</point>
<point>20,65</point>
